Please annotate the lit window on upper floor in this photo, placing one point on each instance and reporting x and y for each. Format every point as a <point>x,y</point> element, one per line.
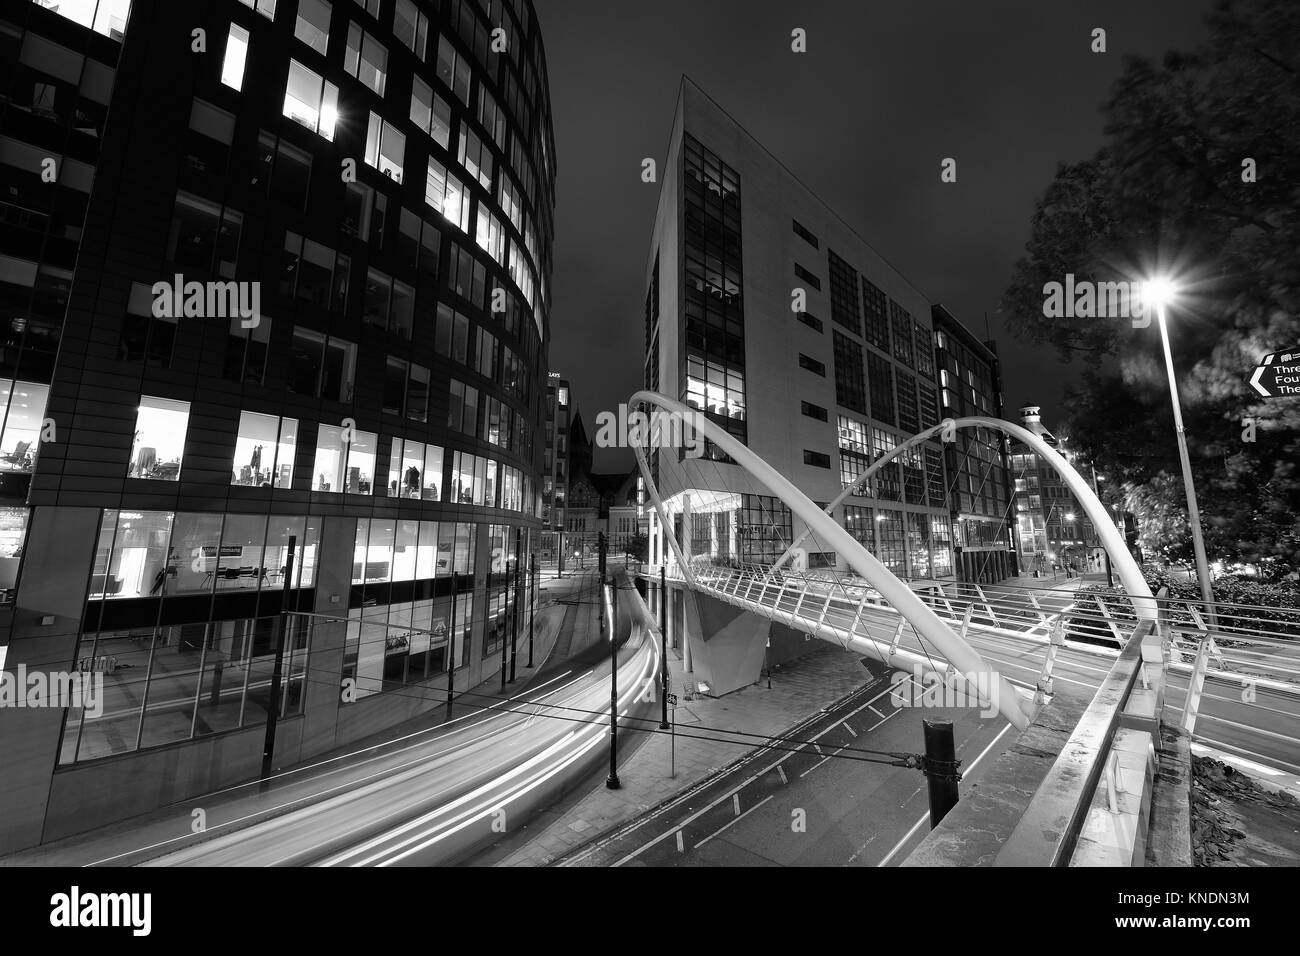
<point>475,157</point>
<point>159,443</point>
<point>385,147</point>
<point>22,407</point>
<point>366,59</point>
<point>430,112</point>
<point>232,67</point>
<point>103,16</point>
<point>415,471</point>
<point>411,27</point>
<point>453,70</point>
<point>345,461</point>
<point>264,450</point>
<point>265,7</point>
<point>490,236</point>
<point>312,26</point>
<point>445,193</point>
<point>310,100</point>
<point>370,6</point>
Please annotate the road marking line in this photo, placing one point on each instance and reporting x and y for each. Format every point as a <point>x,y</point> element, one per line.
<point>916,826</point>
<point>731,822</point>
<point>850,729</point>
<point>669,807</point>
<point>681,847</point>
<point>781,771</point>
<point>735,801</point>
<point>874,711</point>
<point>911,798</point>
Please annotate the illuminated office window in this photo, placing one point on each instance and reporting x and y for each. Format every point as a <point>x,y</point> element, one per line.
<point>232,68</point>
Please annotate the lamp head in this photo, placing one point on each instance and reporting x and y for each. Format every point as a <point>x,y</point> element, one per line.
<point>1159,291</point>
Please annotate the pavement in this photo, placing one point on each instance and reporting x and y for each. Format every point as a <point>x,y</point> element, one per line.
<point>711,733</point>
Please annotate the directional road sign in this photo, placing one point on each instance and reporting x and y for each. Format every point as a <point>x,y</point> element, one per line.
<point>1278,374</point>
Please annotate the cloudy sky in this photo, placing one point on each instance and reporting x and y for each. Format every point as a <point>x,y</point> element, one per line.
<point>1009,88</point>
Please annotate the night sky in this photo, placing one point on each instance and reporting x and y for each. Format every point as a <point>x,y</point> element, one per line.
<point>884,93</point>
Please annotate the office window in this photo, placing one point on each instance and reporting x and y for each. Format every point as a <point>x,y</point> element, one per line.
<point>313,272</point>
<point>211,132</point>
<point>310,101</point>
<point>511,202</point>
<point>265,7</point>
<point>934,488</point>
<point>875,312</point>
<point>844,294</point>
<point>889,525</point>
<point>492,118</point>
<point>312,26</point>
<point>807,277</point>
<point>901,320</point>
<point>246,351</point>
<point>816,459</point>
<point>22,406</point>
<point>854,436</point>
<point>908,412</point>
<point>366,59</point>
<point>810,320</point>
<point>370,6</point>
<point>804,234</point>
<point>850,385</point>
<point>468,478</point>
<point>889,477</point>
<point>204,235</point>
<point>264,451</point>
<point>411,27</point>
<point>814,411</point>
<point>320,366</point>
<point>430,112</point>
<point>811,364</point>
<point>159,442</point>
<point>462,409</point>
<point>880,382</point>
<point>453,70</point>
<point>445,193</point>
<point>284,171</point>
<point>145,337</point>
<point>475,157</point>
<point>924,352</point>
<point>385,147</point>
<point>345,461</point>
<point>929,405</point>
<point>860,523</point>
<point>415,471</point>
<point>489,235</point>
<point>406,389</point>
<point>232,67</point>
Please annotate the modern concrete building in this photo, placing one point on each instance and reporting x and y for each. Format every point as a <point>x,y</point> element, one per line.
<point>555,465</point>
<point>980,490</point>
<point>324,444</point>
<point>765,311</point>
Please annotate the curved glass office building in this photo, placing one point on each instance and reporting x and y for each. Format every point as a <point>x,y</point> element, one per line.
<point>276,282</point>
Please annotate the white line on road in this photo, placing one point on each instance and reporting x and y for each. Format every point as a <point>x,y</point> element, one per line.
<point>919,823</point>
<point>681,846</point>
<point>735,802</point>
<point>874,711</point>
<point>850,729</point>
<point>731,822</point>
<point>781,771</point>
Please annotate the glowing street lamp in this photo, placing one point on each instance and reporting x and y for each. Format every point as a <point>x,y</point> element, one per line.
<point>1160,292</point>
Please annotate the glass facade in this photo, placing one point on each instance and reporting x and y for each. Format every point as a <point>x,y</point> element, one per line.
<point>389,382</point>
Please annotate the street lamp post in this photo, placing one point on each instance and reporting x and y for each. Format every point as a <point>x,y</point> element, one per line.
<point>1161,291</point>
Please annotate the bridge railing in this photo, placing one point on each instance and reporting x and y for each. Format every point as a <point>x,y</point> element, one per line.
<point>1093,806</point>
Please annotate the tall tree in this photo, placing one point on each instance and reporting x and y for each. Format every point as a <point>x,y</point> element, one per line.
<point>1199,177</point>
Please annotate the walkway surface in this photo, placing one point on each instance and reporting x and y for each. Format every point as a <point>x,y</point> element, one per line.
<point>711,733</point>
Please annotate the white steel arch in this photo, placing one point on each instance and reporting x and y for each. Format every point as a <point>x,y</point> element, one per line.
<point>1130,574</point>
<point>965,659</point>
